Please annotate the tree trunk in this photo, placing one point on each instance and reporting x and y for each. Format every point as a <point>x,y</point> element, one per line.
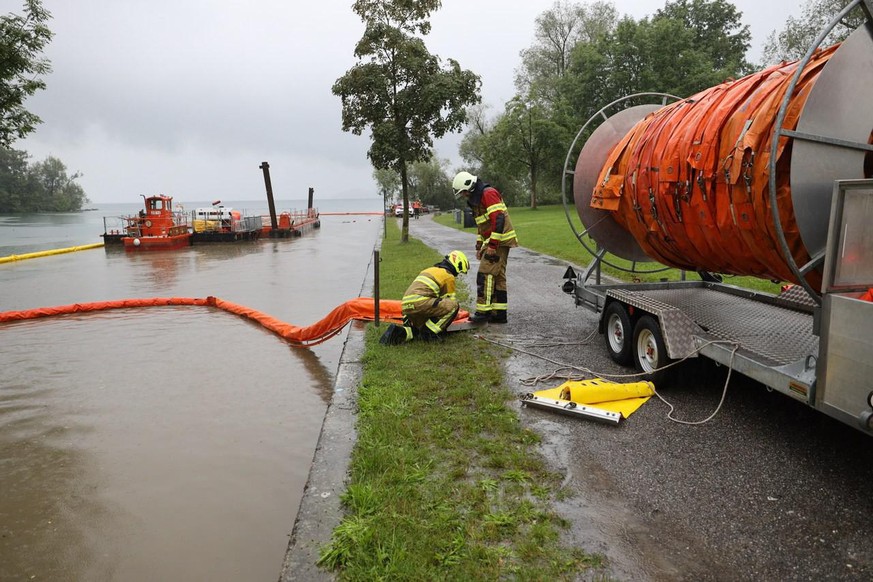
<point>533,189</point>
<point>404,181</point>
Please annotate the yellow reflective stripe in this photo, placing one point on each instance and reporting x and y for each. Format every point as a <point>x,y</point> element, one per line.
<point>479,238</point>
<point>502,236</point>
<point>434,327</point>
<point>481,219</point>
<point>443,322</point>
<point>489,291</point>
<point>410,301</point>
<point>500,206</point>
<point>449,296</point>
<point>424,279</point>
<point>499,306</point>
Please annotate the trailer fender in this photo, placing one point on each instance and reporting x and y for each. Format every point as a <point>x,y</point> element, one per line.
<point>677,328</point>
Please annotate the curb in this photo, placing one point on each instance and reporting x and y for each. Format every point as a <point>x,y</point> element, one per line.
<point>321,509</point>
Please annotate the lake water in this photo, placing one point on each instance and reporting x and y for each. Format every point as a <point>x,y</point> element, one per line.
<point>166,443</point>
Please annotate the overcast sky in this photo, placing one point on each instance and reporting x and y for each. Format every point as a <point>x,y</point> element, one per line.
<point>188,97</point>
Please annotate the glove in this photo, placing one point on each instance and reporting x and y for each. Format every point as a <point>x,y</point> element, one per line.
<point>491,256</point>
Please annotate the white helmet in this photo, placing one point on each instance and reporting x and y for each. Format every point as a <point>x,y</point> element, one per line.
<point>463,182</point>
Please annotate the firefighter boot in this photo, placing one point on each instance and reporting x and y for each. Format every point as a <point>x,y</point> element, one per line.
<point>395,335</point>
<point>427,335</point>
<point>480,317</point>
<point>498,316</point>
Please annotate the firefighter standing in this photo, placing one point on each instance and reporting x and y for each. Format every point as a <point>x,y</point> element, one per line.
<point>429,304</point>
<point>494,239</point>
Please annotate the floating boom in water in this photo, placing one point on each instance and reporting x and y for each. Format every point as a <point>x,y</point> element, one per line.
<point>360,308</point>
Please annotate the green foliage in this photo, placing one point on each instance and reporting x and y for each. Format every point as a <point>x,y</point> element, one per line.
<point>557,31</point>
<point>398,90</point>
<point>22,40</point>
<point>387,182</point>
<point>798,34</point>
<point>39,187</point>
<point>685,48</point>
<point>525,145</point>
<point>428,182</point>
<point>13,181</point>
<point>717,34</point>
<point>583,59</point>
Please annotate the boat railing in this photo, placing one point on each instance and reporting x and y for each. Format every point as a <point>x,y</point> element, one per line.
<point>180,218</point>
<point>114,225</point>
<point>291,218</point>
<point>247,224</point>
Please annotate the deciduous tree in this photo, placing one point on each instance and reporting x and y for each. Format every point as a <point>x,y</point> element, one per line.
<point>399,91</point>
<point>798,34</point>
<point>13,181</point>
<point>22,40</point>
<point>40,187</point>
<point>527,144</point>
<point>51,189</point>
<point>557,32</point>
<point>687,46</point>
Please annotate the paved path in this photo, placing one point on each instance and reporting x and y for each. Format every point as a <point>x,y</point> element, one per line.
<point>767,490</point>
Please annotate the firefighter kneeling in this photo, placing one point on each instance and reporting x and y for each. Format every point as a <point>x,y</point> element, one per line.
<point>429,305</point>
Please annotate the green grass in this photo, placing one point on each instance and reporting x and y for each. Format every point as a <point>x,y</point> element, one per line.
<point>546,230</point>
<point>445,483</point>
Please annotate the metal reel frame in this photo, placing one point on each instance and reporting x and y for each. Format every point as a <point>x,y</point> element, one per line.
<point>569,172</point>
<point>780,132</point>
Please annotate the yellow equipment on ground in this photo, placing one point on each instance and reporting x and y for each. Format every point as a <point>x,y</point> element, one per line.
<point>596,399</point>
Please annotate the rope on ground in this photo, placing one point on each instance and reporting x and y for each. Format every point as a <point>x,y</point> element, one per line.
<point>723,393</point>
<point>558,373</point>
<point>537,344</point>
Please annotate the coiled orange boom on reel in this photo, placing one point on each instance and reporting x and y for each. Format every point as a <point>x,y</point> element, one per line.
<point>738,178</point>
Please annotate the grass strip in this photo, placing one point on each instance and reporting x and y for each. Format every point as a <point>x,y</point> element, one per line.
<point>445,483</point>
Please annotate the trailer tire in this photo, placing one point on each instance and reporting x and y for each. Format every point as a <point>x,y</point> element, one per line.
<point>618,333</point>
<point>650,351</point>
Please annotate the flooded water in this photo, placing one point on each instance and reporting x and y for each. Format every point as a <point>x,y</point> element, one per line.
<point>163,443</point>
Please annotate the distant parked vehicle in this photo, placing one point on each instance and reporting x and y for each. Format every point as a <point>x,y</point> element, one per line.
<point>398,210</point>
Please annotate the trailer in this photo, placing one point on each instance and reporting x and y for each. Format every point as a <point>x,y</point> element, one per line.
<point>769,176</point>
<point>821,355</point>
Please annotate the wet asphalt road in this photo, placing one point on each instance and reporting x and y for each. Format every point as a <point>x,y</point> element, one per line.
<point>769,489</point>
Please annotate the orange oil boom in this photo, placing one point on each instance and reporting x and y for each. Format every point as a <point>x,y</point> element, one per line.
<point>360,308</point>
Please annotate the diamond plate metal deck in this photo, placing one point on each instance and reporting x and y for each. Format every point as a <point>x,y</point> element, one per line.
<point>774,335</point>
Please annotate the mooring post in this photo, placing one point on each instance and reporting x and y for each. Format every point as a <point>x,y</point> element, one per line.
<point>311,194</point>
<point>376,287</point>
<point>273,223</point>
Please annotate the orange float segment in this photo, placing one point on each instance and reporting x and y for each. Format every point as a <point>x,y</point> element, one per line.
<point>690,181</point>
<point>360,308</point>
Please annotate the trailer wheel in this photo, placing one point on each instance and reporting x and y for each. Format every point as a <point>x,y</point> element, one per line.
<point>618,332</point>
<point>650,349</point>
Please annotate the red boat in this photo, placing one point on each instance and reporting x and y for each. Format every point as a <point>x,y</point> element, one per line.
<point>157,227</point>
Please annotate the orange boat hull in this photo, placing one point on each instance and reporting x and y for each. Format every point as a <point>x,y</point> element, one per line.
<point>156,243</point>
